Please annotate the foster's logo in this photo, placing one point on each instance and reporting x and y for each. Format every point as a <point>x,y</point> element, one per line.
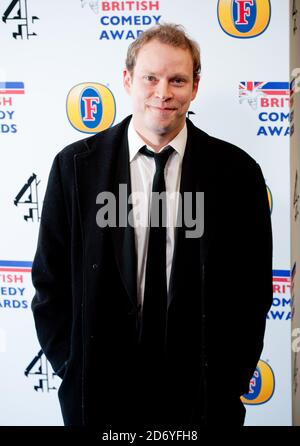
<point>244,18</point>
<point>91,107</point>
<point>270,198</point>
<point>262,385</point>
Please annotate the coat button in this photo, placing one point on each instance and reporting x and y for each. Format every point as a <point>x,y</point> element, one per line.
<point>95,266</point>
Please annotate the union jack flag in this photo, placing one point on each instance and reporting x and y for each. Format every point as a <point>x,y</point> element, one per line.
<point>269,88</point>
<point>250,90</point>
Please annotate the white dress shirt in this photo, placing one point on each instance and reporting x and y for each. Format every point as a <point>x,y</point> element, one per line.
<point>142,170</point>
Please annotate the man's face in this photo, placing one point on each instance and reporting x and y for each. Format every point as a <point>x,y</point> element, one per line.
<point>161,87</point>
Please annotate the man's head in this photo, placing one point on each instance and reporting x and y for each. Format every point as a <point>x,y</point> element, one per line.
<point>161,76</point>
<point>169,34</point>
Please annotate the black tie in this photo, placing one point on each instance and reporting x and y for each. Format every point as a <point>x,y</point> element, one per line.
<point>153,327</point>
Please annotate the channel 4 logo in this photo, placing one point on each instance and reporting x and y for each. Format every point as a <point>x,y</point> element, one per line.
<point>244,19</point>
<point>91,107</point>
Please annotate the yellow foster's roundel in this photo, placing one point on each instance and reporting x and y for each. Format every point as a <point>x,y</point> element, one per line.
<point>91,107</point>
<point>262,385</point>
<point>270,198</point>
<point>244,18</point>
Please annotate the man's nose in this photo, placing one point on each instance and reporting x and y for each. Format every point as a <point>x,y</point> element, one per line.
<point>163,90</point>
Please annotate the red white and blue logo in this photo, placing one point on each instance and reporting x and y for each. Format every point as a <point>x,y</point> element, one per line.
<point>272,100</point>
<point>15,284</point>
<point>10,88</point>
<point>121,20</point>
<point>264,94</point>
<point>9,91</point>
<point>14,266</point>
<point>281,304</point>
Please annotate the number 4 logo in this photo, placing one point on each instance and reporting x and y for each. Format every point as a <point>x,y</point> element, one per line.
<point>17,11</point>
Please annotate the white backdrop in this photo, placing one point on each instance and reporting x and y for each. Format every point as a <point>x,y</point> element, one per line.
<point>295,195</point>
<point>48,48</point>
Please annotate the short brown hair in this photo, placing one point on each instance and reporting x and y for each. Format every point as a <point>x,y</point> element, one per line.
<point>170,34</point>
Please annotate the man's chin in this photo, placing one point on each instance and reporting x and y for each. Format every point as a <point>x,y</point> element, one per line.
<point>161,129</point>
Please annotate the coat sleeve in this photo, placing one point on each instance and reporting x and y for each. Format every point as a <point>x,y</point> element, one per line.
<point>52,303</point>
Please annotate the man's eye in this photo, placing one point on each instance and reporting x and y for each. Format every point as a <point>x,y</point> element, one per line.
<point>178,81</point>
<point>150,78</point>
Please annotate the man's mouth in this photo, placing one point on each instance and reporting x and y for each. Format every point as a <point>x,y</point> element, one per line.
<point>162,109</point>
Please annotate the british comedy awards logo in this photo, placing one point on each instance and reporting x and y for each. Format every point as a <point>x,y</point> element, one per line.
<point>271,101</point>
<point>18,14</point>
<point>15,285</point>
<point>9,92</point>
<point>281,304</point>
<point>244,19</point>
<point>262,385</point>
<point>91,107</point>
<point>124,20</point>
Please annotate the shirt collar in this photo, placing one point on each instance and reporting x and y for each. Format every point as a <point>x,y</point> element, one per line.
<point>135,142</point>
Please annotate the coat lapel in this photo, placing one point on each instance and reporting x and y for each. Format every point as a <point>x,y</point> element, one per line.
<point>123,236</point>
<point>193,178</point>
<point>102,169</point>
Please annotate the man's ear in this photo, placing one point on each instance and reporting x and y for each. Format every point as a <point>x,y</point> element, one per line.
<point>195,86</point>
<point>127,80</point>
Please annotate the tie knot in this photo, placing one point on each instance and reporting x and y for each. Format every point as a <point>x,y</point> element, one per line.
<point>160,158</point>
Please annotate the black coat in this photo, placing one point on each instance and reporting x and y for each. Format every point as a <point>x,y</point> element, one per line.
<point>85,306</point>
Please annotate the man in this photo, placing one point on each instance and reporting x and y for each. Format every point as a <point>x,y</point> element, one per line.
<point>149,327</point>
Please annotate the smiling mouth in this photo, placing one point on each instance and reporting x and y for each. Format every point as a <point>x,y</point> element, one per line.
<point>162,109</point>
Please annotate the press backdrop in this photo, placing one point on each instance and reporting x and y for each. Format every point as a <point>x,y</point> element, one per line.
<point>61,80</point>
